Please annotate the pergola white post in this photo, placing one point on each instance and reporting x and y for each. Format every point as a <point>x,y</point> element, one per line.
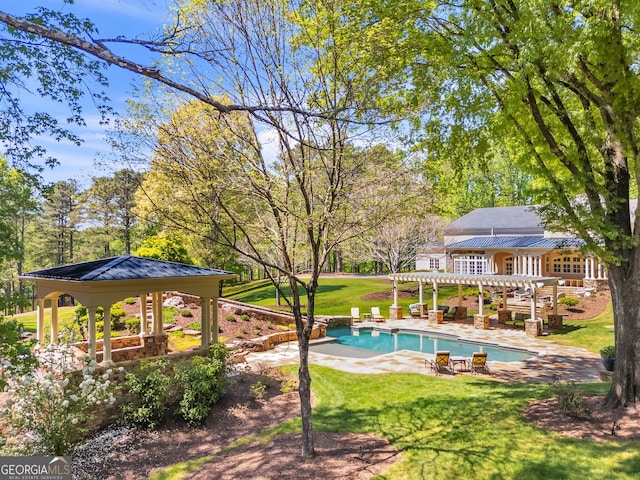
<point>533,303</point>
<point>206,322</point>
<point>435,296</point>
<point>40,321</point>
<point>92,332</point>
<point>395,294</point>
<point>420,291</point>
<point>480,299</point>
<point>54,321</point>
<point>555,299</point>
<point>106,337</point>
<point>144,321</point>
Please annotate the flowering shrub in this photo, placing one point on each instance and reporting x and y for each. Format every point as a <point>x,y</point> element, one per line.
<point>49,405</point>
<point>15,355</point>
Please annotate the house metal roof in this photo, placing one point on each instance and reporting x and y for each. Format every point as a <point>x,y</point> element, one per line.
<point>125,267</point>
<point>523,220</point>
<point>531,241</point>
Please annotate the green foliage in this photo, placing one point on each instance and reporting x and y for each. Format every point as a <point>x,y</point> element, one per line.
<point>569,301</point>
<point>257,390</point>
<point>570,400</point>
<point>133,325</point>
<point>608,351</point>
<point>185,312</point>
<point>130,300</point>
<point>149,387</point>
<point>202,383</point>
<point>245,317</point>
<point>230,318</point>
<point>15,355</point>
<point>195,326</point>
<point>165,247</point>
<point>288,386</point>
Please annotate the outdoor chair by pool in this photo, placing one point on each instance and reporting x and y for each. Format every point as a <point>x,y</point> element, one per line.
<point>414,309</point>
<point>442,363</point>
<point>479,363</point>
<point>355,314</point>
<point>450,314</point>
<point>375,314</point>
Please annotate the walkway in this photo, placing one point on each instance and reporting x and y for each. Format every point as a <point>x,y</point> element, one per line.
<point>553,360</point>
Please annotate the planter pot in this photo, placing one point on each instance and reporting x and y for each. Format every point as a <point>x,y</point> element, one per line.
<point>608,363</point>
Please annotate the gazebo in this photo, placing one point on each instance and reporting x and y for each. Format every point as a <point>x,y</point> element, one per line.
<point>435,278</point>
<point>101,283</point>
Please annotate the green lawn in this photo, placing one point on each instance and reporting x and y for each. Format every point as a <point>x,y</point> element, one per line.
<point>336,295</point>
<point>465,427</point>
<point>591,334</point>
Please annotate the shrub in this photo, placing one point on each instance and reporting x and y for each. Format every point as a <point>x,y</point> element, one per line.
<point>570,400</point>
<point>130,300</point>
<point>195,326</point>
<point>133,325</point>
<point>149,386</point>
<point>257,390</point>
<point>202,382</point>
<point>608,351</point>
<point>288,386</point>
<point>185,312</point>
<point>245,317</point>
<point>282,328</point>
<point>230,318</point>
<point>569,301</point>
<point>49,405</point>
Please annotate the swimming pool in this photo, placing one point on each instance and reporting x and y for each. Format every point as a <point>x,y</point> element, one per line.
<point>369,342</point>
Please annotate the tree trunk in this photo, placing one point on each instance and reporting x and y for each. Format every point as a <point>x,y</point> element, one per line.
<point>624,283</point>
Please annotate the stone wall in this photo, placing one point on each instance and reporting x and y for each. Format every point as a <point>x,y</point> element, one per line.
<point>130,348</point>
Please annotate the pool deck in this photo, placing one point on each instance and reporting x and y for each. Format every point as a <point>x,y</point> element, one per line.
<point>553,361</point>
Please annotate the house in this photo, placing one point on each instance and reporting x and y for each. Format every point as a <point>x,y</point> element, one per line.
<point>512,241</point>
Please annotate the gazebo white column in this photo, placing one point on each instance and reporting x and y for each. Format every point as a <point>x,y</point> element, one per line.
<point>395,293</point>
<point>214,315</point>
<point>206,322</point>
<point>480,300</point>
<point>40,321</point>
<point>92,332</point>
<point>106,337</point>
<point>435,296</point>
<point>144,321</point>
<point>54,321</point>
<point>157,312</point>
<point>420,291</point>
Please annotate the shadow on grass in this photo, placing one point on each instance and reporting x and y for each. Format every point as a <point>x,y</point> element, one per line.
<point>268,292</point>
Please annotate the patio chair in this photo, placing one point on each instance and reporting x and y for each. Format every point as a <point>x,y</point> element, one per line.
<point>444,308</point>
<point>376,315</point>
<point>355,314</point>
<point>479,363</point>
<point>442,363</point>
<point>414,309</point>
<point>450,314</point>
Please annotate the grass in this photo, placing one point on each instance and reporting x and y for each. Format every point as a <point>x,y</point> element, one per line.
<point>336,295</point>
<point>592,334</point>
<point>466,427</point>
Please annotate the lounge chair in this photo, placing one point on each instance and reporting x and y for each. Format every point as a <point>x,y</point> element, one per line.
<point>444,308</point>
<point>442,363</point>
<point>479,363</point>
<point>376,315</point>
<point>414,309</point>
<point>355,314</point>
<point>450,314</point>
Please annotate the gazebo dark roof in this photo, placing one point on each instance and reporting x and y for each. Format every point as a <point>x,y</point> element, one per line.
<point>125,267</point>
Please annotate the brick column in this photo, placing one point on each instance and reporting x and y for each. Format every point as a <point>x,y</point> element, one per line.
<point>481,322</point>
<point>554,322</point>
<point>504,316</point>
<point>395,313</point>
<point>436,316</point>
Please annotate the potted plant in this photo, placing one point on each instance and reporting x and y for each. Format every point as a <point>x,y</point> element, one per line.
<point>608,355</point>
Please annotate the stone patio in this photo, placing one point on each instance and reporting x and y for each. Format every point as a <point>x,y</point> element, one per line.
<point>552,360</point>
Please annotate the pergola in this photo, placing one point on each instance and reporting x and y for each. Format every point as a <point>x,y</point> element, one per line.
<point>101,283</point>
<point>505,281</point>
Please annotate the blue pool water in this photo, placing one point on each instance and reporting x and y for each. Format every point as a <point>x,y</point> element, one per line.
<point>369,343</point>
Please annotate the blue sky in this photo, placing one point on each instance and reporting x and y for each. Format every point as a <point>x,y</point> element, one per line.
<point>113,18</point>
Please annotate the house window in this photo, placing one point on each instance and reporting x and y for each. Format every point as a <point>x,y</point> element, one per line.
<point>434,263</point>
<point>471,265</point>
<point>568,265</point>
<point>508,266</point>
